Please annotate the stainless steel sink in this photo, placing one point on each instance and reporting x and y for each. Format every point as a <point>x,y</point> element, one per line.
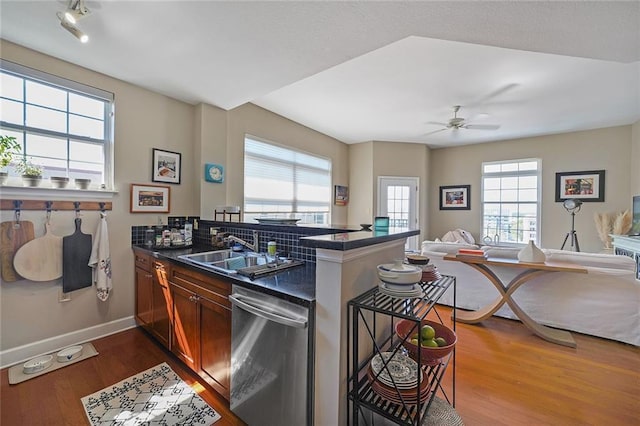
<point>249,264</point>
<point>225,260</point>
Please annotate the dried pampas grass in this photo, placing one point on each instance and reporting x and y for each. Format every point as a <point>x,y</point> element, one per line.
<point>612,223</point>
<point>604,224</point>
<point>622,223</point>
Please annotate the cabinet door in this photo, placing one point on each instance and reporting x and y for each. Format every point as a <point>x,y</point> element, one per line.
<point>143,282</point>
<point>184,339</point>
<point>161,323</point>
<point>215,345</point>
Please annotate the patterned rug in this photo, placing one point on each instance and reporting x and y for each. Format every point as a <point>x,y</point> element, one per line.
<point>156,396</point>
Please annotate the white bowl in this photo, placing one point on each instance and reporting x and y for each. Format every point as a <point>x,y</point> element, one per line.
<point>399,273</point>
<point>37,364</point>
<point>69,353</point>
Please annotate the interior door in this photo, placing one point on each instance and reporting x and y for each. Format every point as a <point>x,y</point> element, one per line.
<point>398,199</point>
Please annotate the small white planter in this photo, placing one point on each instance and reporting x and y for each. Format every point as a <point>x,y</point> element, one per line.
<point>31,180</point>
<point>531,254</point>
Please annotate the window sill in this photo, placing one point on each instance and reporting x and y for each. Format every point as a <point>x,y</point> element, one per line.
<point>52,194</point>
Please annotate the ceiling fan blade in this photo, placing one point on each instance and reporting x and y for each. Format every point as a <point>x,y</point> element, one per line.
<point>436,123</point>
<point>482,126</point>
<point>435,131</point>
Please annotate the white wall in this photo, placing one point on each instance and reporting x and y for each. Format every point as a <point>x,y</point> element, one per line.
<point>609,149</point>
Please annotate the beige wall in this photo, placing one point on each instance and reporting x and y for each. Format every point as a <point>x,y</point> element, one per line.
<point>370,160</point>
<point>362,183</point>
<point>253,120</point>
<point>609,149</point>
<point>211,147</point>
<point>143,120</point>
<point>635,160</point>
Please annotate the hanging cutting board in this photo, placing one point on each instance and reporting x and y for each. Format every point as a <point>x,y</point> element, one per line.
<point>40,259</point>
<point>13,235</point>
<point>76,251</point>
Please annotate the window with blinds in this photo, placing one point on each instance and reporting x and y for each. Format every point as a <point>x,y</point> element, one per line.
<point>61,125</point>
<point>511,201</point>
<point>283,183</point>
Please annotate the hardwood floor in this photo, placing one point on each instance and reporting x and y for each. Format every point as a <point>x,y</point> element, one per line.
<point>504,376</point>
<point>54,398</point>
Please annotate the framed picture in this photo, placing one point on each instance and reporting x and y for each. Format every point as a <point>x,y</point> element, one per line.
<point>455,197</point>
<point>340,195</point>
<point>584,186</point>
<point>150,198</point>
<point>166,166</point>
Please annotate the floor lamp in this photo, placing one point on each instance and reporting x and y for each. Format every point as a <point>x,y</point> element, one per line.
<point>573,207</point>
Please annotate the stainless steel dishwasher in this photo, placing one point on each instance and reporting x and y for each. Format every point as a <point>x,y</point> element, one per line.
<point>271,364</point>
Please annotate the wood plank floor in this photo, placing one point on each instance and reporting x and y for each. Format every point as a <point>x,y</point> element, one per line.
<point>54,398</point>
<point>504,376</point>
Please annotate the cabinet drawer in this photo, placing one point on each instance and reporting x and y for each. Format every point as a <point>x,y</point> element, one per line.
<point>209,287</point>
<point>142,260</point>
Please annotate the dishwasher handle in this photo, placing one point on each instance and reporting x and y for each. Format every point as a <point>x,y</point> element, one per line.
<point>253,306</point>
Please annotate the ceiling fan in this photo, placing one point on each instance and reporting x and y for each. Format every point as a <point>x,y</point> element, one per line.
<point>456,123</point>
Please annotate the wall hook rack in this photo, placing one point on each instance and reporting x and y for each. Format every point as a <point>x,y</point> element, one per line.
<point>18,205</point>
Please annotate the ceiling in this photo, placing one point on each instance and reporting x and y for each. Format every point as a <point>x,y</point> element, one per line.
<point>361,71</point>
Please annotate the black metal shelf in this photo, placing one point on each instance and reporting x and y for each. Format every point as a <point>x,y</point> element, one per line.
<point>360,391</point>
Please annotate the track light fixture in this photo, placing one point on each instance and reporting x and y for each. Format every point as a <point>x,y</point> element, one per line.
<point>75,11</point>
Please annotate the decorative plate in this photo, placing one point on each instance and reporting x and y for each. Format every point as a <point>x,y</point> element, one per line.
<point>403,369</point>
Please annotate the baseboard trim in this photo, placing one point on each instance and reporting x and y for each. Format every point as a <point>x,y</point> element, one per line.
<point>23,353</point>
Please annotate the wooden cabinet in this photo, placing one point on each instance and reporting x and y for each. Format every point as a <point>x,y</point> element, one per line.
<point>153,300</point>
<point>143,285</point>
<point>161,303</point>
<point>202,325</point>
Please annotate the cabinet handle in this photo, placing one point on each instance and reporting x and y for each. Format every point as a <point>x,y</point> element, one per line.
<point>149,275</point>
<point>141,260</point>
<point>194,298</point>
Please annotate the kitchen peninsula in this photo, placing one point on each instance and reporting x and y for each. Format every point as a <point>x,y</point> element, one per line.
<point>340,263</point>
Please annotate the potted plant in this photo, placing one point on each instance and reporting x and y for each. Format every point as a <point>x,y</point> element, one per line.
<point>31,172</point>
<point>8,147</point>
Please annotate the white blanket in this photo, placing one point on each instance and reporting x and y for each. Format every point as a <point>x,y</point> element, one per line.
<point>100,260</point>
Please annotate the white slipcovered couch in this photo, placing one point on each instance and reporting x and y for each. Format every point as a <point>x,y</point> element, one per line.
<point>605,302</point>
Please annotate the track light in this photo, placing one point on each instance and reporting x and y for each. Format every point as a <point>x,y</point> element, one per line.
<point>75,11</point>
<point>77,32</point>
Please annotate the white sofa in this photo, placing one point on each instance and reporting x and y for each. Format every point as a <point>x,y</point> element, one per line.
<point>605,302</point>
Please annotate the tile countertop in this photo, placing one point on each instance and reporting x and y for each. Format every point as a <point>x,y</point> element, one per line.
<point>297,285</point>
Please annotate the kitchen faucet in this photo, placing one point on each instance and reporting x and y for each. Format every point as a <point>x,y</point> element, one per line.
<point>255,246</point>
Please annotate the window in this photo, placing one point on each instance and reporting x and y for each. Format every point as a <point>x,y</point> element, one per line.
<point>64,126</point>
<point>280,182</point>
<point>511,201</point>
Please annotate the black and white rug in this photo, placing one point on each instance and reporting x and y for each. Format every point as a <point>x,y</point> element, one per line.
<point>156,396</point>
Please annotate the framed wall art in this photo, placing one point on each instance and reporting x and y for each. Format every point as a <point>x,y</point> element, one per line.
<point>166,166</point>
<point>150,198</point>
<point>455,197</point>
<point>340,195</point>
<point>585,186</point>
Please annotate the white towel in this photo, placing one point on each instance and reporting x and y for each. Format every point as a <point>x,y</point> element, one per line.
<point>100,259</point>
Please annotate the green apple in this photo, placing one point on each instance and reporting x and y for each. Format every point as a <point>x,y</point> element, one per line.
<point>441,341</point>
<point>427,332</point>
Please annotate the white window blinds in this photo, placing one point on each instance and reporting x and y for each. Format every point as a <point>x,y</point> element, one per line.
<point>280,182</point>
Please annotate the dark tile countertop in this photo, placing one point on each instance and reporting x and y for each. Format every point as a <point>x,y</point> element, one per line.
<point>297,285</point>
<point>353,240</point>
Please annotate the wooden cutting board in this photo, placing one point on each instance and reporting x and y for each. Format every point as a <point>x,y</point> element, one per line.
<point>76,251</point>
<point>13,235</point>
<point>40,259</point>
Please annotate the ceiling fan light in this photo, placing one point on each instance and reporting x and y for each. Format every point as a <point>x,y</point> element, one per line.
<point>69,16</point>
